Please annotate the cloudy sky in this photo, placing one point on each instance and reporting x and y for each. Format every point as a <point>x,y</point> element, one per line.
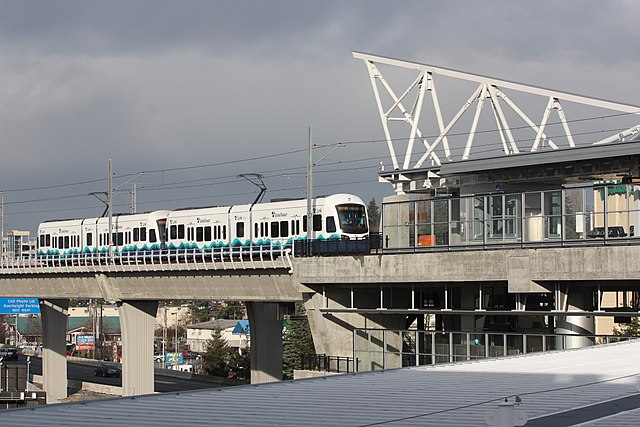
<point>194,93</point>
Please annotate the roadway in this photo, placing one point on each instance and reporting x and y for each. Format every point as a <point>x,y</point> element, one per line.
<point>82,372</point>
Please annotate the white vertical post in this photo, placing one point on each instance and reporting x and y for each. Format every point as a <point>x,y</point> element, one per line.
<point>133,198</point>
<point>309,194</point>
<point>110,206</point>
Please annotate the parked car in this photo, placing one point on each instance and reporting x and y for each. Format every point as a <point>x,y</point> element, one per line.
<point>9,353</point>
<point>108,370</point>
<point>158,357</point>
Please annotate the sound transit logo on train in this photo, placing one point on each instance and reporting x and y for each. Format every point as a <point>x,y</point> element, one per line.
<point>19,306</point>
<point>275,214</point>
<point>203,220</point>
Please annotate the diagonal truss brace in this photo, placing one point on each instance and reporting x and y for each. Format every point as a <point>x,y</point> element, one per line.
<point>489,89</point>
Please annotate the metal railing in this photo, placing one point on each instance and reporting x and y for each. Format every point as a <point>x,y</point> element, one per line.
<point>333,247</point>
<point>232,258</point>
<point>377,349</point>
<point>324,363</point>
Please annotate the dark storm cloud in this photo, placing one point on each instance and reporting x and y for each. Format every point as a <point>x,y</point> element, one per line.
<point>159,84</point>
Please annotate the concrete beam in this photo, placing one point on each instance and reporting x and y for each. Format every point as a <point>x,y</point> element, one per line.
<point>54,350</point>
<point>523,269</point>
<point>271,285</point>
<point>138,325</point>
<point>266,342</point>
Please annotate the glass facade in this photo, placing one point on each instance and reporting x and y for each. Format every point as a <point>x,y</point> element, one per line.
<point>570,215</point>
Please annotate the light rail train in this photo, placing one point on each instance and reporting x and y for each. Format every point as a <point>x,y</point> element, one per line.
<point>274,224</point>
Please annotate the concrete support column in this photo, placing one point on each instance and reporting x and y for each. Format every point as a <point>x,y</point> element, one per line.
<point>138,321</point>
<point>576,300</point>
<point>266,342</point>
<point>54,351</point>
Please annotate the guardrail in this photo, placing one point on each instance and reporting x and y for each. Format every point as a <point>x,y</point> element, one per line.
<point>324,363</point>
<point>233,258</point>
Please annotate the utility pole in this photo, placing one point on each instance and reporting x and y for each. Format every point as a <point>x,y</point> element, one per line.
<point>1,229</point>
<point>309,194</point>
<point>133,198</point>
<point>110,208</point>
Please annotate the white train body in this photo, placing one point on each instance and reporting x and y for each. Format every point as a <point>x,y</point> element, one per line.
<point>130,232</point>
<point>340,216</point>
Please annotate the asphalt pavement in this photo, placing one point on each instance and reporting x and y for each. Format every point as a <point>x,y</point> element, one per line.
<point>82,372</point>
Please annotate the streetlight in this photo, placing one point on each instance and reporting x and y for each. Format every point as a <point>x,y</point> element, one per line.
<point>176,337</point>
<point>28,364</point>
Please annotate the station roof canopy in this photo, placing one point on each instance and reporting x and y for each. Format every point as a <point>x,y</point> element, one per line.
<point>596,385</point>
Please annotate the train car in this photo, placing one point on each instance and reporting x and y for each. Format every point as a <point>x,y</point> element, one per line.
<point>198,228</point>
<point>131,232</point>
<point>339,217</point>
<point>60,237</point>
<point>279,223</point>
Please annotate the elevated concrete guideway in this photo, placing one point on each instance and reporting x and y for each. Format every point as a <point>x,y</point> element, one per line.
<point>137,294</point>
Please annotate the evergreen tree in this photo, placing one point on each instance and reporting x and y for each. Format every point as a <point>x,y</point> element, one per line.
<point>218,355</point>
<point>630,329</point>
<point>296,341</point>
<point>233,310</point>
<point>200,311</point>
<point>374,215</point>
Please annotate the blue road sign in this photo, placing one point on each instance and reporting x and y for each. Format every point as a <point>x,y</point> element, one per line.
<point>19,306</point>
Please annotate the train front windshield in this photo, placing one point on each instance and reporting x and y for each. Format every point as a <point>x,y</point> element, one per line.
<point>352,218</point>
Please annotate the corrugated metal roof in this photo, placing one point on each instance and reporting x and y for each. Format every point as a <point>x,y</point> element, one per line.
<point>549,384</point>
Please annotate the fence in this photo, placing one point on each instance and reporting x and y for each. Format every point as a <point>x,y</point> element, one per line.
<point>384,349</point>
<point>324,363</point>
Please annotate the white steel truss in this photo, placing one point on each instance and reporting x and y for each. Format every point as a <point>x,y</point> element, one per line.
<point>489,90</point>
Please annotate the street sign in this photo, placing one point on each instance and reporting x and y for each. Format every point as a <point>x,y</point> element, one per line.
<point>174,359</point>
<point>19,306</point>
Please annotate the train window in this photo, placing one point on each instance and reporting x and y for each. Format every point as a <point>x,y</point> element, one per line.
<point>207,233</point>
<point>255,226</point>
<point>275,229</point>
<point>66,242</point>
<point>152,236</point>
<point>118,238</point>
<point>199,234</point>
<point>331,224</point>
<point>224,232</point>
<point>317,222</point>
<point>136,234</point>
<point>181,231</point>
<point>262,229</point>
<point>304,224</point>
<point>173,232</point>
<point>41,240</point>
<point>48,240</point>
<point>284,228</point>
<point>239,229</point>
<point>143,234</point>
<point>89,239</point>
<point>297,227</point>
